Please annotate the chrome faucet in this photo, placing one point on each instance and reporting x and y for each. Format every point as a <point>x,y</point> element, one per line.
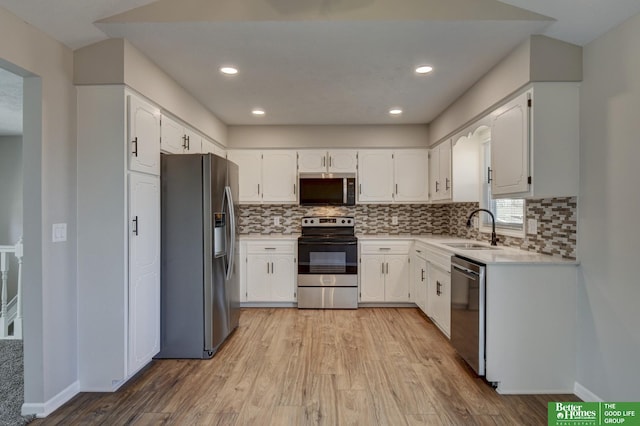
<point>494,238</point>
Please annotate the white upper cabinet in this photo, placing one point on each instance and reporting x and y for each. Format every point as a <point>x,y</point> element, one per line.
<point>454,169</point>
<point>440,181</point>
<point>375,176</point>
<point>510,147</point>
<point>178,139</point>
<point>144,136</point>
<point>386,176</point>
<point>250,174</point>
<point>266,176</point>
<point>279,176</point>
<point>535,143</point>
<point>321,161</point>
<point>411,175</point>
<point>209,147</point>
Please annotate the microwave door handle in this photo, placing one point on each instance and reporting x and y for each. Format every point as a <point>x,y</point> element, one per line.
<point>344,190</point>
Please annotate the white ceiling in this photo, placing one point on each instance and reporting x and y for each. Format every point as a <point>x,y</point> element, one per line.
<point>324,61</point>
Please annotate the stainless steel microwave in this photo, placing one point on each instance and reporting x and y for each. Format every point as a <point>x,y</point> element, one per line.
<point>327,189</point>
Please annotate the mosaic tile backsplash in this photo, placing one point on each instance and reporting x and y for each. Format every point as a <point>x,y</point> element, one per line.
<point>556,236</point>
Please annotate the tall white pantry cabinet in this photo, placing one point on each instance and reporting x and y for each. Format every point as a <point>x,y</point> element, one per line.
<point>118,235</point>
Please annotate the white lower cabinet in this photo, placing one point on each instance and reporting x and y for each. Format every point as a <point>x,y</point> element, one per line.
<point>384,272</point>
<point>269,271</point>
<point>439,297</point>
<point>419,279</point>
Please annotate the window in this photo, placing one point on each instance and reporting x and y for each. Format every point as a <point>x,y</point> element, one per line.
<point>509,213</point>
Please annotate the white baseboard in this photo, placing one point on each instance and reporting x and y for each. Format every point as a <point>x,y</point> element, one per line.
<point>585,394</point>
<point>43,410</point>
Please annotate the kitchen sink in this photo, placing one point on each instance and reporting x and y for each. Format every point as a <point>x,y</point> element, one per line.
<point>471,246</point>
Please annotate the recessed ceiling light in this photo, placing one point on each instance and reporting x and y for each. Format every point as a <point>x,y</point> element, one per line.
<point>424,69</point>
<point>257,111</point>
<point>229,70</point>
<point>395,111</point>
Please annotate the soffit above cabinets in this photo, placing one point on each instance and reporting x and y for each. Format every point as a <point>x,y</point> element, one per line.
<point>316,62</point>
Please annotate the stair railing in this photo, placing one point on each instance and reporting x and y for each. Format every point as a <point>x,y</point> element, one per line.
<point>11,310</point>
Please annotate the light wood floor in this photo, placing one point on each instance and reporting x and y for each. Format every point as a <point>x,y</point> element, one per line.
<point>375,366</point>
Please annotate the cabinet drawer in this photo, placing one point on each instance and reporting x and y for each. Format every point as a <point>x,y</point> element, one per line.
<point>420,250</point>
<point>266,247</point>
<point>385,247</point>
<point>438,257</point>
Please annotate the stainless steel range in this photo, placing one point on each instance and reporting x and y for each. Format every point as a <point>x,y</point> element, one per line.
<point>328,263</point>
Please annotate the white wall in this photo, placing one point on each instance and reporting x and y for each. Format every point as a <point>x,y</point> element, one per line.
<point>49,180</point>
<point>609,216</point>
<point>363,136</point>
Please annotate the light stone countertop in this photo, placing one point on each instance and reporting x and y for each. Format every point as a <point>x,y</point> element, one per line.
<point>501,255</point>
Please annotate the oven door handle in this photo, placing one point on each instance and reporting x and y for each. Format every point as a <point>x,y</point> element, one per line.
<point>327,243</point>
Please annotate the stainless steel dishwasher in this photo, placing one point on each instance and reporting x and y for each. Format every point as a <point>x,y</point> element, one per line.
<point>468,311</point>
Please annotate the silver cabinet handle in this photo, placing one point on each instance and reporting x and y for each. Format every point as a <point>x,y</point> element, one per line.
<point>324,161</point>
<point>258,189</point>
<point>422,279</point>
<point>272,270</point>
<point>360,188</point>
<point>330,162</point>
<point>384,248</point>
<point>446,184</point>
<point>489,177</point>
<point>382,268</point>
<point>267,267</point>
<point>135,146</point>
<point>294,189</point>
<point>135,229</point>
<point>269,248</point>
<point>437,186</point>
<point>396,189</point>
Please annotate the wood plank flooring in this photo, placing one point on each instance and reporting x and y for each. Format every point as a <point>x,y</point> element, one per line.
<point>371,366</point>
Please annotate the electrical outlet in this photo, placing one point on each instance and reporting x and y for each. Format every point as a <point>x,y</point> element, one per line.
<point>532,226</point>
<point>394,220</point>
<point>276,220</point>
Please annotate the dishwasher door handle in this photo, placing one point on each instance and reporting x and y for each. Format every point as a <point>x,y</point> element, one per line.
<point>466,272</point>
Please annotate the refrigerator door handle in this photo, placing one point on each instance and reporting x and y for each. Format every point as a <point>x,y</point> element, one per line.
<point>228,197</point>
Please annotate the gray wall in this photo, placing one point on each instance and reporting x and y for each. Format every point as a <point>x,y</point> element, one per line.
<point>10,189</point>
<point>539,58</point>
<point>363,136</point>
<point>116,61</point>
<point>11,200</point>
<point>49,179</point>
<point>608,212</point>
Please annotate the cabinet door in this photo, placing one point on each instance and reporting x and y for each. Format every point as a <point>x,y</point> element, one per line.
<point>283,278</point>
<point>396,278</point>
<point>411,175</point>
<point>444,160</point>
<point>250,174</point>
<point>172,137</point>
<point>510,147</point>
<point>434,174</point>
<point>144,270</point>
<point>372,279</point>
<point>144,136</point>
<point>194,142</point>
<point>419,282</point>
<point>258,278</point>
<point>279,176</point>
<point>208,147</point>
<point>439,298</point>
<point>375,176</point>
<point>312,161</point>
<point>343,161</point>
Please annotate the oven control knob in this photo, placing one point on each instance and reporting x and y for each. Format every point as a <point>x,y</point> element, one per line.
<point>343,221</point>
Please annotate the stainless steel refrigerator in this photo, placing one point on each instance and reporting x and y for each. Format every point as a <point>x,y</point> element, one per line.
<point>200,287</point>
